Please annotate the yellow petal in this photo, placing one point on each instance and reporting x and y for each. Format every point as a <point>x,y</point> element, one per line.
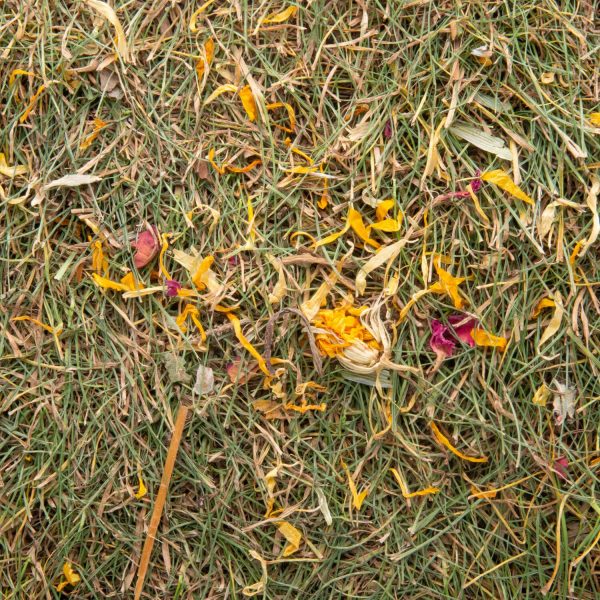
<point>248,102</point>
<point>448,284</point>
<point>542,395</point>
<point>131,285</point>
<point>197,13</point>
<point>15,72</point>
<point>109,284</point>
<point>503,181</point>
<point>292,535</point>
<point>190,311</point>
<point>299,153</point>
<point>383,208</point>
<point>11,172</point>
<point>554,325</point>
<point>233,169</point>
<point>211,160</point>
<point>404,489</point>
<point>576,250</point>
<point>475,493</point>
<point>70,577</point>
<point>99,125</point>
<point>280,17</point>
<point>227,88</point>
<point>306,407</point>
<point>358,226</point>
<point>357,499</point>
<point>333,236</point>
<point>442,439</point>
<point>200,277</point>
<point>109,14</point>
<point>161,256</point>
<point>99,262</point>
<point>54,330</point>
<point>142,490</point>
<point>203,63</point>
<point>595,119</point>
<point>300,170</point>
<point>32,103</point>
<point>543,303</point>
<point>291,115</point>
<point>237,328</point>
<point>483,338</point>
<point>388,225</point>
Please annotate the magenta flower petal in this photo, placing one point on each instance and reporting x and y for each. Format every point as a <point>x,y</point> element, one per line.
<point>440,342</point>
<point>172,287</point>
<point>388,130</point>
<point>462,326</point>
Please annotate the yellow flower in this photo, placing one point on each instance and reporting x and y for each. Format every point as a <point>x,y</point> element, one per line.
<point>340,328</point>
<point>70,577</point>
<point>448,285</point>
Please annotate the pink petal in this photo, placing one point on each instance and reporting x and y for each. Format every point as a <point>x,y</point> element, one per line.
<point>462,326</point>
<point>146,247</point>
<point>440,343</point>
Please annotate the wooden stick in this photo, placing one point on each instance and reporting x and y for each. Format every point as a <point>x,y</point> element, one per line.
<point>160,498</point>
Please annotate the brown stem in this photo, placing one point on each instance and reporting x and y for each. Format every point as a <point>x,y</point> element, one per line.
<point>160,498</point>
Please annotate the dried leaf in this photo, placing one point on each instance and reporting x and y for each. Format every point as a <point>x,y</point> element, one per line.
<point>280,288</point>
<point>205,381</point>
<point>259,586</point>
<point>248,102</point>
<point>292,535</point>
<point>323,506</point>
<point>175,366</point>
<point>280,17</point>
<point>270,409</point>
<point>442,439</point>
<point>482,140</point>
<point>12,172</point>
<point>109,14</point>
<point>546,220</point>
<point>592,202</point>
<point>563,402</point>
<point>504,182</point>
<point>554,325</point>
<point>74,180</point>
<point>385,255</point>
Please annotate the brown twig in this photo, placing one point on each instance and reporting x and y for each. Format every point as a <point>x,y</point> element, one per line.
<point>160,498</point>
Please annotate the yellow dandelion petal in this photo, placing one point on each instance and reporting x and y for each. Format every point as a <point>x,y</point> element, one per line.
<point>444,441</point>
<point>280,17</point>
<point>248,102</point>
<point>237,328</point>
<point>504,182</point>
<point>291,115</point>
<point>484,338</point>
<point>292,535</point>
